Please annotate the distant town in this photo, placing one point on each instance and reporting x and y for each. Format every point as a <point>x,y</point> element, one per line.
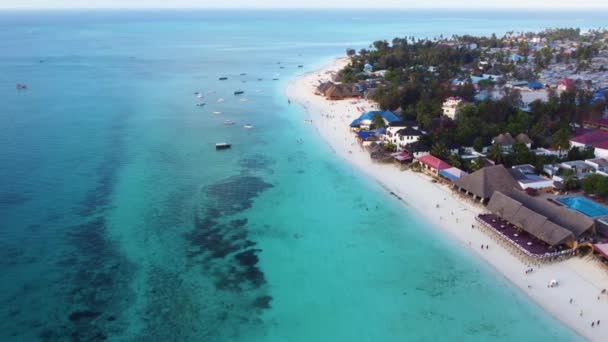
<point>517,124</point>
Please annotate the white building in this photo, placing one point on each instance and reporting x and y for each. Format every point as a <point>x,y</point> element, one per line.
<point>451,106</point>
<point>402,136</point>
<point>526,177</point>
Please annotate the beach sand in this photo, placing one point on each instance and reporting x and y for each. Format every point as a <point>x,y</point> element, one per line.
<point>580,279</point>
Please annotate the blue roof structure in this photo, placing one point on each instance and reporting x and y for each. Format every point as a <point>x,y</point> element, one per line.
<point>388,116</point>
<point>535,85</point>
<point>516,58</point>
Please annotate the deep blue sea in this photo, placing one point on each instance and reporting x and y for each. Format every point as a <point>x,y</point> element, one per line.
<point>120,221</point>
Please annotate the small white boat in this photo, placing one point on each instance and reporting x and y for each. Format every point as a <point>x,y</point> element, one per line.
<point>222,146</point>
<point>228,122</point>
<point>248,126</point>
<point>199,95</point>
<point>217,113</point>
<point>243,100</point>
<point>308,121</point>
<point>220,100</point>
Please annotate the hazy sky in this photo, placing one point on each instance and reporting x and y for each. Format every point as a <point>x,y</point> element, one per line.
<point>548,4</point>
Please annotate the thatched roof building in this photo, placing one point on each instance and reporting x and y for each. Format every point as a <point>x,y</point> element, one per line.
<point>574,221</point>
<point>483,182</point>
<point>340,91</point>
<point>552,224</point>
<point>527,219</point>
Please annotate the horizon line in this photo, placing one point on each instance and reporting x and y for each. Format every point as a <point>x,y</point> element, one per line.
<point>458,9</point>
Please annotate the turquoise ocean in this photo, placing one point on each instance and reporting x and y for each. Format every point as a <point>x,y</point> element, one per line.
<point>120,221</point>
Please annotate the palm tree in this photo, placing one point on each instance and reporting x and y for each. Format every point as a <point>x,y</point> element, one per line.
<point>495,154</point>
<point>378,121</point>
<point>561,140</point>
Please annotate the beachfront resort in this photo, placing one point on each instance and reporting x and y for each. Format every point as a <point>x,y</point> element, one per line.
<point>501,122</point>
<point>471,133</point>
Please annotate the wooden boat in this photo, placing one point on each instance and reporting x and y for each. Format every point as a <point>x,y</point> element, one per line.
<point>200,104</point>
<point>243,74</point>
<point>222,146</point>
<point>239,92</point>
<point>223,78</point>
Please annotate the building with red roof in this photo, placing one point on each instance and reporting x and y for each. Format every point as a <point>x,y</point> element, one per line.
<point>432,163</point>
<point>589,139</point>
<point>597,139</point>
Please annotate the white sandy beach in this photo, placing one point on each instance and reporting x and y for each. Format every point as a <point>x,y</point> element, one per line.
<point>581,279</point>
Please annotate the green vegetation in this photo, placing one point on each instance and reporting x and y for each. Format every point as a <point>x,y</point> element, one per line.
<point>421,74</point>
<point>596,185</point>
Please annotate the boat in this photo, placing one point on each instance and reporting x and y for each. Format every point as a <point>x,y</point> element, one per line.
<point>228,122</point>
<point>223,78</point>
<point>243,74</point>
<point>308,121</point>
<point>275,79</point>
<point>259,79</point>
<point>239,92</point>
<point>220,100</point>
<point>243,100</point>
<point>248,126</point>
<point>222,146</point>
<point>21,86</point>
<point>200,104</point>
<point>217,113</point>
<point>282,67</point>
<point>200,96</point>
<point>300,66</point>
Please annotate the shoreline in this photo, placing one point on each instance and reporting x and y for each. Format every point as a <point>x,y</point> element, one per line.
<point>581,279</point>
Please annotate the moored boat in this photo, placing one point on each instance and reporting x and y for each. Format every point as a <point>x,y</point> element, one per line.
<point>217,113</point>
<point>248,126</point>
<point>228,122</point>
<point>222,146</point>
<point>200,104</point>
<point>239,92</point>
<point>223,78</point>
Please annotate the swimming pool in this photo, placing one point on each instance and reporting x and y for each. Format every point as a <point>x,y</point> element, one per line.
<point>584,205</point>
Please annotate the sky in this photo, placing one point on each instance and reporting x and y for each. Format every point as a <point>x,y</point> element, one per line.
<point>544,4</point>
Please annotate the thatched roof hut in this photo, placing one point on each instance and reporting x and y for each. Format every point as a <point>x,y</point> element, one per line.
<point>538,225</point>
<point>483,182</point>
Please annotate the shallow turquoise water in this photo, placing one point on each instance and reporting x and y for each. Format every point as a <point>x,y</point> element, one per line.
<point>120,220</point>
